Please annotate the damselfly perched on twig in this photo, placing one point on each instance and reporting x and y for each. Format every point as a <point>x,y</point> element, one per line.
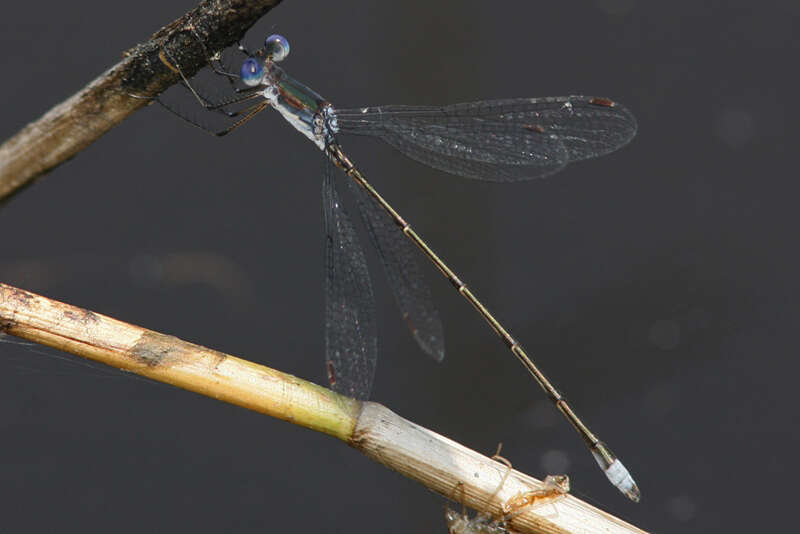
<point>493,140</point>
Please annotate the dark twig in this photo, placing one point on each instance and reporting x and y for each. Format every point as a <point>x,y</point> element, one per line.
<point>74,124</point>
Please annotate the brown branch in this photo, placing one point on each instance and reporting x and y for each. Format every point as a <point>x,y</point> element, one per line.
<point>416,452</point>
<point>132,83</point>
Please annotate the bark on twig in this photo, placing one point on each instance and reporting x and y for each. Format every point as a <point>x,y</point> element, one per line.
<point>416,452</point>
<point>132,83</point>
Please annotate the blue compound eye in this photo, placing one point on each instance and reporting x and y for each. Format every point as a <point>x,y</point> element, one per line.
<point>252,72</point>
<point>277,47</point>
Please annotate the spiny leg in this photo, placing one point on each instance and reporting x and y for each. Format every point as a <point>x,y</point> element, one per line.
<point>252,111</point>
<point>215,63</point>
<point>219,107</point>
<point>207,103</point>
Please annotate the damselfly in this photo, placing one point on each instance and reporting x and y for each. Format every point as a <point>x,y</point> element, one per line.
<point>494,140</point>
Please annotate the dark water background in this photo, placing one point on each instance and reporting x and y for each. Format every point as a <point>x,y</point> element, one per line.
<point>657,286</point>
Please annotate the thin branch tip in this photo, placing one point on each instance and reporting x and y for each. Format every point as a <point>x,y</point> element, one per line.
<point>139,77</point>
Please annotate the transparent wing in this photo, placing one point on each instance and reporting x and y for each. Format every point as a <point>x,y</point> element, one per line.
<point>351,346</point>
<point>498,140</point>
<point>398,257</point>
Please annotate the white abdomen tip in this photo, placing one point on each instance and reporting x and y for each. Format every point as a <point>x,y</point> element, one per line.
<point>619,476</point>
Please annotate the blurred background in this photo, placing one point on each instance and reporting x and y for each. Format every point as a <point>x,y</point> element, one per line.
<point>656,286</point>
